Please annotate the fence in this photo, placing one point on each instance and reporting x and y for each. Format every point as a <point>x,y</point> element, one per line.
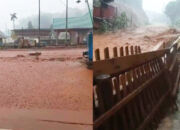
<point>134,90</point>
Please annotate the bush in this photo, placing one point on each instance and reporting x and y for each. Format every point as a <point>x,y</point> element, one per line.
<point>104,27</point>
<point>119,22</point>
<point>96,3</point>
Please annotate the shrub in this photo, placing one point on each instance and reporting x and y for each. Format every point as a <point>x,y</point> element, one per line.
<point>104,27</point>
<point>120,22</point>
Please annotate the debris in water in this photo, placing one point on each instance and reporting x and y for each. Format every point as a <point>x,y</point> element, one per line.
<point>35,54</point>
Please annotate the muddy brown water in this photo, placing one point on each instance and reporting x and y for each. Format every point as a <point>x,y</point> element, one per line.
<point>45,94</point>
<point>147,37</point>
<point>40,119</point>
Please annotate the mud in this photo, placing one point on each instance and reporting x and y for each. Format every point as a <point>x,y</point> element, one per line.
<point>148,38</point>
<point>44,119</point>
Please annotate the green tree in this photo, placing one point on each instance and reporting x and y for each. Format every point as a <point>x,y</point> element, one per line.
<point>120,22</point>
<point>13,18</point>
<point>105,26</point>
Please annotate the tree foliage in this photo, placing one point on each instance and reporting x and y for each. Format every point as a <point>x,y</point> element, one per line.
<point>13,18</point>
<point>119,22</point>
<point>96,3</point>
<point>105,26</point>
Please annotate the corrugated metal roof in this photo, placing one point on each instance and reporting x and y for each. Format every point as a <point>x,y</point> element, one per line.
<point>73,22</point>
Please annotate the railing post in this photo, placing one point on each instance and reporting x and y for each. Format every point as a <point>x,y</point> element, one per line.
<point>115,53</point>
<point>97,54</point>
<point>105,94</point>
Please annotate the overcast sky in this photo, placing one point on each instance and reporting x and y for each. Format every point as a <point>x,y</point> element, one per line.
<point>155,5</point>
<point>25,8</point>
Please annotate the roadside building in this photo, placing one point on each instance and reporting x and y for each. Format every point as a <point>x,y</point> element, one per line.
<point>33,34</point>
<point>103,10</point>
<point>2,37</point>
<point>78,28</point>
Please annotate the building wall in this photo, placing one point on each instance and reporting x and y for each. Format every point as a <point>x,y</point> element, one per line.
<point>76,35</point>
<point>104,12</point>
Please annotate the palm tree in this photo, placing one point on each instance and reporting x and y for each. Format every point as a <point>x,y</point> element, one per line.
<point>13,18</point>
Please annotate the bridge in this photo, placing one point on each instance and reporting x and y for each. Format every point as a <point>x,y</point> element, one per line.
<point>134,90</point>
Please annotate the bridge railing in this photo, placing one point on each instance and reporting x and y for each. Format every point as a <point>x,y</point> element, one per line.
<point>134,90</point>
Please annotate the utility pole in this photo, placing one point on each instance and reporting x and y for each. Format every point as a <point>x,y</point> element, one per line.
<point>23,36</point>
<point>22,32</point>
<point>39,20</point>
<point>89,10</point>
<point>66,20</point>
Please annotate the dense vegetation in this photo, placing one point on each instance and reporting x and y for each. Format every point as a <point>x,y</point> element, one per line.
<point>119,22</point>
<point>125,16</point>
<point>172,11</point>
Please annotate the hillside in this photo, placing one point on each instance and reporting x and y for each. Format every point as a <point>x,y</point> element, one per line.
<point>134,11</point>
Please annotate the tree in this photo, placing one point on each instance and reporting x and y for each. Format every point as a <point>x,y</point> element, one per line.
<point>13,18</point>
<point>30,26</point>
<point>120,22</point>
<point>96,3</point>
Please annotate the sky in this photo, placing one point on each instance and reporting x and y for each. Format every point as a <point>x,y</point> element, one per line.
<point>26,8</point>
<point>155,5</point>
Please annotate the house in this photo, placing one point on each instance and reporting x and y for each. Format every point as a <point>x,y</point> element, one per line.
<point>103,11</point>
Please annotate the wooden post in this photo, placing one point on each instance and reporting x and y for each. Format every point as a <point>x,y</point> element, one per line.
<point>106,53</point>
<point>97,55</point>
<point>104,86</point>
<point>115,54</point>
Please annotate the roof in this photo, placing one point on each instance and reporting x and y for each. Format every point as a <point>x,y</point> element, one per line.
<point>82,22</point>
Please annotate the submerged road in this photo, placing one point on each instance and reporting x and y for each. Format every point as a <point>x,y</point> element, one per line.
<point>51,92</point>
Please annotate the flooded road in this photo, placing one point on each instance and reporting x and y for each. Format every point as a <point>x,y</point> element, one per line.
<point>53,91</point>
<point>40,119</point>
